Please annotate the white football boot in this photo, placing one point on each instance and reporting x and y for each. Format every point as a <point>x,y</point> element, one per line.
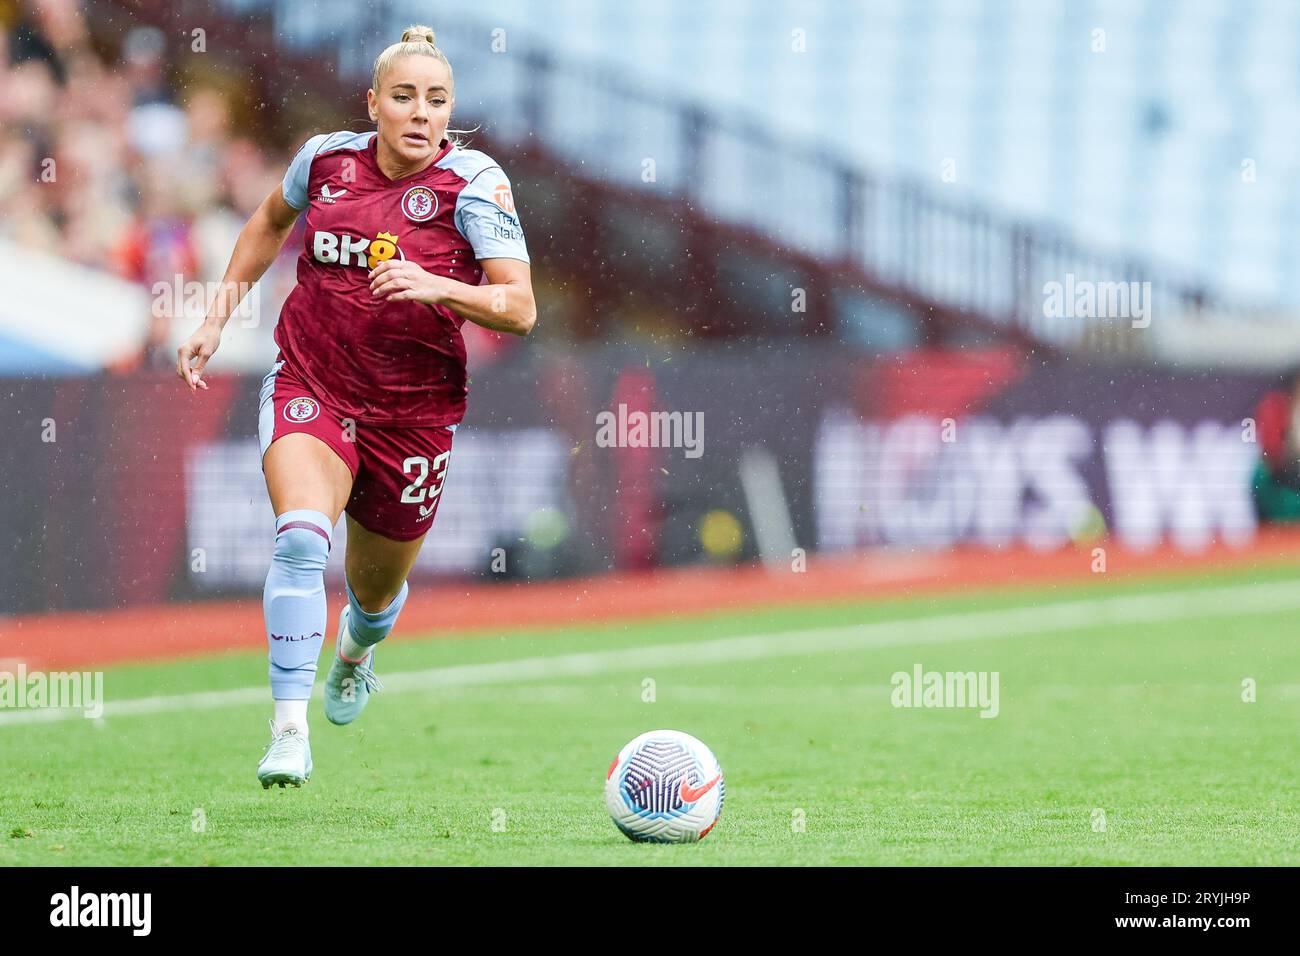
<point>287,759</point>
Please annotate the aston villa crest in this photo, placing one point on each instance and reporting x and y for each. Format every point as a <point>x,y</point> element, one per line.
<point>420,204</point>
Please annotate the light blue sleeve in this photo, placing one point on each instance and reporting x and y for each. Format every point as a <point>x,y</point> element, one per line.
<point>487,218</point>
<point>294,186</point>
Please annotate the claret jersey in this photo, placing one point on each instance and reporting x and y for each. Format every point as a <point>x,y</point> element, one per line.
<point>380,362</point>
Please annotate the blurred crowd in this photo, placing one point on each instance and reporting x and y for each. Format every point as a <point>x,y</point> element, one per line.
<point>122,150</point>
<point>103,160</point>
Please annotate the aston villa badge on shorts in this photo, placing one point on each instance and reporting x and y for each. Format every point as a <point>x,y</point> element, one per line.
<point>420,204</point>
<point>301,410</point>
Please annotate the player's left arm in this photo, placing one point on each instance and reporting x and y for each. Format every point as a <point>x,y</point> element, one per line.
<point>504,304</point>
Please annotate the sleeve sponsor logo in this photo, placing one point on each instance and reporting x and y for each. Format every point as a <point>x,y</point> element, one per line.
<point>507,227</point>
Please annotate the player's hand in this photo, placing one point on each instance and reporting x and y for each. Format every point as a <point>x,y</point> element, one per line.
<point>396,280</point>
<point>192,356</point>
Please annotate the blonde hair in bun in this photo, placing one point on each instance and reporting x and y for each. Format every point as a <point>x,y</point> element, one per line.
<point>417,40</point>
<point>418,31</point>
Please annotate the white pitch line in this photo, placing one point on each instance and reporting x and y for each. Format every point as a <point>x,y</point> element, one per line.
<point>1228,601</point>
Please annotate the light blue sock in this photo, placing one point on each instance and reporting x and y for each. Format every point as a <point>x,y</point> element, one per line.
<point>294,601</point>
<point>368,629</point>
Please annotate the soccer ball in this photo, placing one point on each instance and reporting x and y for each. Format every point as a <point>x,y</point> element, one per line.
<point>665,787</point>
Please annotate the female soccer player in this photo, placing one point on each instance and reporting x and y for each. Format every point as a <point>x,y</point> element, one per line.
<point>358,411</point>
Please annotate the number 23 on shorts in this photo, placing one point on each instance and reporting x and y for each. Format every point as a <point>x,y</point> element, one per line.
<point>416,493</point>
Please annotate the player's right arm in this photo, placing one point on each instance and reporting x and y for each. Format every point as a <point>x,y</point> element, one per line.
<point>259,243</point>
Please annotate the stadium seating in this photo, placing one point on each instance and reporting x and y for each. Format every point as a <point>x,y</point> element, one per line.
<point>1133,139</point>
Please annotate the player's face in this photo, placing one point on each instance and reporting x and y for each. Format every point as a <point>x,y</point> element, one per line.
<point>413,107</point>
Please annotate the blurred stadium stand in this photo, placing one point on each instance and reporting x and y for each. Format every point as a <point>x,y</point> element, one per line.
<point>727,141</point>
<point>1134,139</point>
<point>778,181</point>
<point>772,173</point>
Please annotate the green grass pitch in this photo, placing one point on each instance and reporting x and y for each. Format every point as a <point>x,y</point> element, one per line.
<point>1136,721</point>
